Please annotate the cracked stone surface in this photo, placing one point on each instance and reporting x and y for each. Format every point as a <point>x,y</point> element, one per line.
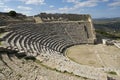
<point>12,68</point>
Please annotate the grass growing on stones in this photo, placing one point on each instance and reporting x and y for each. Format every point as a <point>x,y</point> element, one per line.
<point>54,69</point>
<point>19,75</point>
<point>40,62</point>
<point>1,34</point>
<point>30,58</point>
<point>112,72</point>
<point>0,70</point>
<point>85,77</point>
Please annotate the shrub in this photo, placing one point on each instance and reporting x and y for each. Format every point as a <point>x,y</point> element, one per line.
<point>12,13</point>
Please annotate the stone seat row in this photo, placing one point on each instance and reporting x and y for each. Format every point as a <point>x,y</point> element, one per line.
<point>55,36</point>
<point>31,43</point>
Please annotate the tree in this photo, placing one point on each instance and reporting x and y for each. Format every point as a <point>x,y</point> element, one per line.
<point>12,13</point>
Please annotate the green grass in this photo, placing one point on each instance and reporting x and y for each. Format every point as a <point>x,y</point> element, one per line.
<point>19,75</point>
<point>85,77</point>
<point>1,34</point>
<point>110,35</point>
<point>112,72</point>
<point>30,58</point>
<point>1,70</point>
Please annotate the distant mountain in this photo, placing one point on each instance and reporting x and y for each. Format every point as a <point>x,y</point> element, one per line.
<point>110,19</point>
<point>106,20</point>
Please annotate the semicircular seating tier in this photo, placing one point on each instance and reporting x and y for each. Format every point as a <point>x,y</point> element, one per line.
<point>36,38</point>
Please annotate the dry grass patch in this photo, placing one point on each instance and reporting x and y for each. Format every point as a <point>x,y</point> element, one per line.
<point>95,55</point>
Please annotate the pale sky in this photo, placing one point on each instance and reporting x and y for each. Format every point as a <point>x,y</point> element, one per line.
<point>96,8</point>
